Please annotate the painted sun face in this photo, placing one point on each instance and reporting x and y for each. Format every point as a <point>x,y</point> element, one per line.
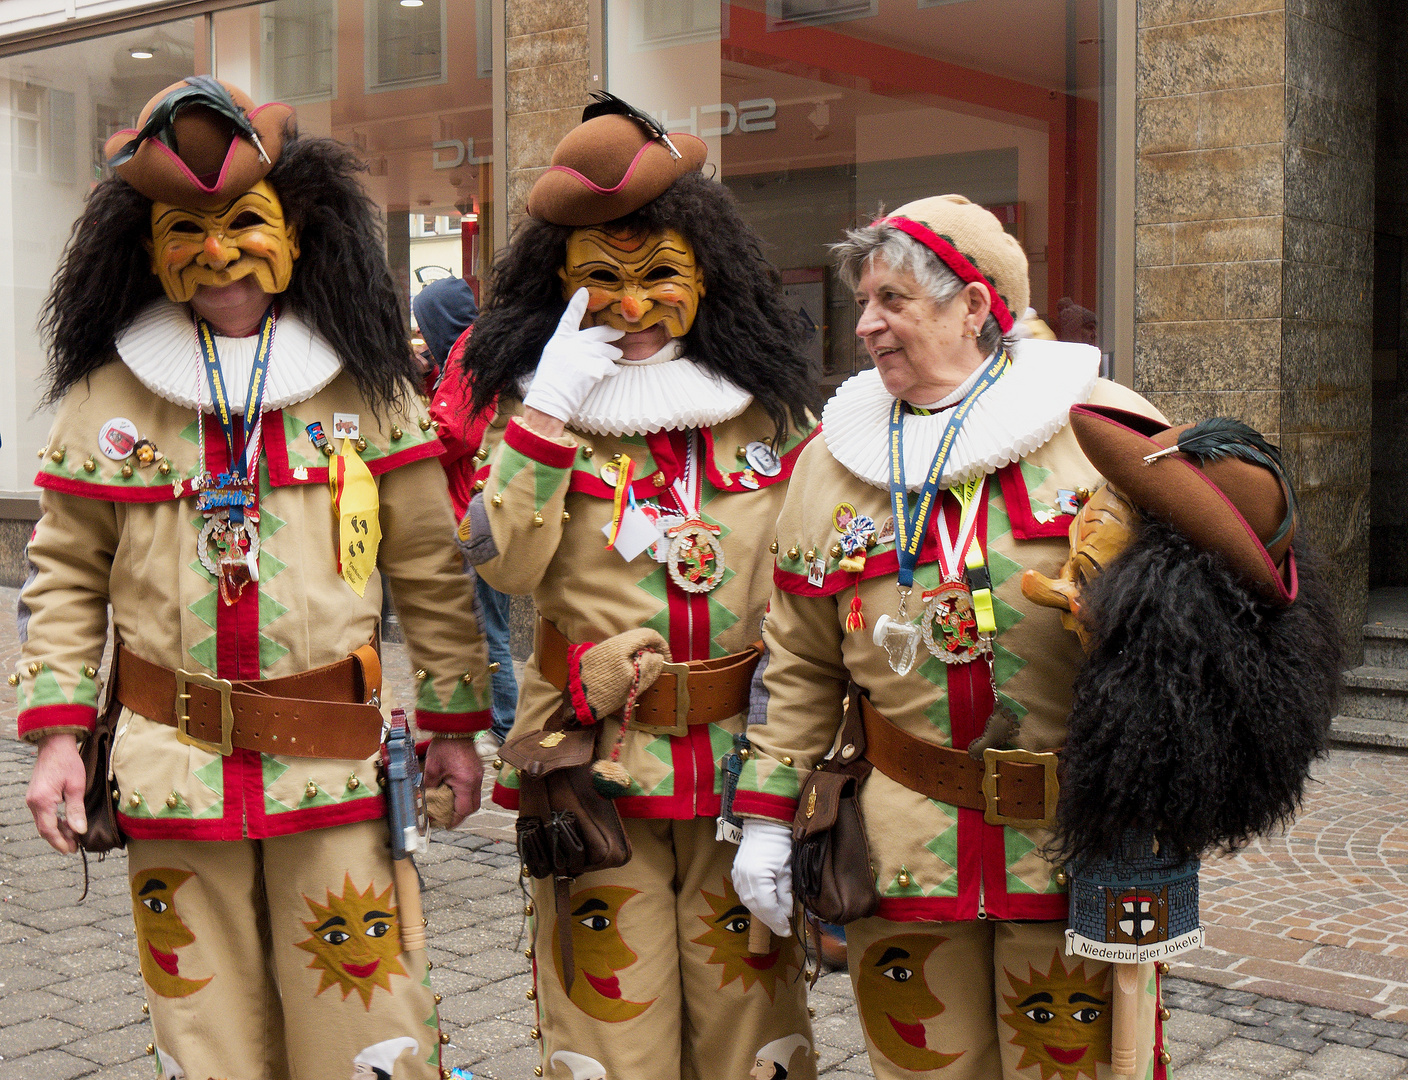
<point>355,942</point>
<point>634,280</point>
<point>247,236</point>
<point>727,935</point>
<point>1061,1020</point>
<point>894,999</point>
<point>160,931</point>
<point>1099,534</point>
<point>599,951</point>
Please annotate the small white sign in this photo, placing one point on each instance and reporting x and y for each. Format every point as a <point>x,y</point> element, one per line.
<point>346,425</point>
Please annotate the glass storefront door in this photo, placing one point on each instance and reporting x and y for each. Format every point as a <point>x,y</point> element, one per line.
<point>57,108</point>
<point>819,113</point>
<point>406,82</point>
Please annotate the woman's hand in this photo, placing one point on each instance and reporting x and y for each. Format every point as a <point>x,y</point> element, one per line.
<point>574,361</point>
<point>762,873</point>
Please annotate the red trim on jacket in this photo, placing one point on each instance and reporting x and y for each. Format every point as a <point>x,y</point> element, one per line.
<point>52,716</point>
<point>544,451</point>
<point>506,797</point>
<point>461,723</point>
<point>765,804</point>
<point>280,475</point>
<point>1019,508</point>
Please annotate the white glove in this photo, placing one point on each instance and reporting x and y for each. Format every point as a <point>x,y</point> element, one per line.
<point>762,873</point>
<point>573,362</point>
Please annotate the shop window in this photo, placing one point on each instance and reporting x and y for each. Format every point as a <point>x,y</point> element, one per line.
<point>407,44</point>
<point>24,128</point>
<point>297,54</point>
<point>821,113</point>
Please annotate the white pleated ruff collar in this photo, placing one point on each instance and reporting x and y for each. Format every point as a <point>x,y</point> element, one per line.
<point>663,393</point>
<point>160,348</point>
<point>1018,414</point>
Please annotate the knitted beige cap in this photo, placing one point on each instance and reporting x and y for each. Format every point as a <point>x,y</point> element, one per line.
<point>972,243</point>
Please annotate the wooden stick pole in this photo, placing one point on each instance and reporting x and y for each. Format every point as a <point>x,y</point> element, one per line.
<point>1124,1052</point>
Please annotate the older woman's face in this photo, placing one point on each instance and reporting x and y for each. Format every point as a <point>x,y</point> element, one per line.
<point>918,347</point>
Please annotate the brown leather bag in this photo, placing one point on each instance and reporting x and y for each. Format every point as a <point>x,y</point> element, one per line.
<point>565,827</point>
<point>831,871</point>
<point>99,792</point>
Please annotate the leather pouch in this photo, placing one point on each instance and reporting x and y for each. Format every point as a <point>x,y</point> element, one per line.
<point>99,792</point>
<point>831,870</point>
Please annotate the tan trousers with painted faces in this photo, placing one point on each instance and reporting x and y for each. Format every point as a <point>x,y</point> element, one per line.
<point>985,1000</point>
<point>664,987</point>
<point>280,959</point>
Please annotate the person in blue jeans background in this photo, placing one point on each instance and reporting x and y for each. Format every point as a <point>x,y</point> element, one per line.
<point>445,310</point>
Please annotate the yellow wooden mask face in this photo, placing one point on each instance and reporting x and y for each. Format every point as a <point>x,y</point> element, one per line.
<point>634,280</point>
<point>247,236</point>
<point>1099,534</point>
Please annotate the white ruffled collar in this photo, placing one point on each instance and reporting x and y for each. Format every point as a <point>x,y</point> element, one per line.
<point>1021,412</point>
<point>665,392</point>
<point>160,348</point>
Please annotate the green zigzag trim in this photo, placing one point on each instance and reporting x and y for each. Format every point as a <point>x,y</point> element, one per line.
<point>45,690</point>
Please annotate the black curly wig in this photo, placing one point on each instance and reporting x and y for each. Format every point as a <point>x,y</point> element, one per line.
<point>1199,709</point>
<point>743,331</point>
<point>341,284</point>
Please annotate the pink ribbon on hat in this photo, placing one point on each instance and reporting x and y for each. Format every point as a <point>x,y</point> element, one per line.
<point>956,261</point>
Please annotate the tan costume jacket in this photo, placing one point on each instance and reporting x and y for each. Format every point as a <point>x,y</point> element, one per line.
<point>545,504</point>
<point>932,861</point>
<point>120,533</point>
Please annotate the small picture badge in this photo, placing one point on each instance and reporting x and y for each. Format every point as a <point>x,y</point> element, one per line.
<point>761,459</point>
<point>1068,502</point>
<point>346,425</point>
<point>147,453</point>
<point>886,535</point>
<point>816,572</point>
<point>117,438</point>
<point>842,516</point>
<point>749,479</point>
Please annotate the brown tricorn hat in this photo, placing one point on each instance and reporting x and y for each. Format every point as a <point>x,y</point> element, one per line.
<point>1217,482</point>
<point>200,143</point>
<point>613,163</point>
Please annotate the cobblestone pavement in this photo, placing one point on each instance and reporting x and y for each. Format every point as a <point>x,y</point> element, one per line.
<point>71,995</point>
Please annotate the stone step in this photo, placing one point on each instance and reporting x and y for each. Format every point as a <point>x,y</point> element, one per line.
<point>1375,693</point>
<point>1360,731</point>
<point>1385,645</point>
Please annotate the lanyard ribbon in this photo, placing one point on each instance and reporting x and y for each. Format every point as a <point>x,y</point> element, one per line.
<point>254,395</point>
<point>910,528</point>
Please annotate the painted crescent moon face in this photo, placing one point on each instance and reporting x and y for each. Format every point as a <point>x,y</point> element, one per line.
<point>1061,1019</point>
<point>895,999</point>
<point>160,931</point>
<point>598,952</point>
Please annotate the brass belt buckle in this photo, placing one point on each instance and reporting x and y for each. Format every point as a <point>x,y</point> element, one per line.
<point>992,814</point>
<point>680,727</point>
<point>183,711</point>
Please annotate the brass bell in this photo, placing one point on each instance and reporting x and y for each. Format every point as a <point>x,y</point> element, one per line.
<point>479,485</point>
<point>1165,1057</point>
<point>528,909</point>
<point>498,499</point>
<point>327,450</point>
<point>467,678</point>
<point>310,790</point>
<point>835,551</point>
<point>811,1011</point>
<point>126,472</point>
<point>422,675</point>
<point>499,764</point>
<point>35,667</point>
<point>438,999</point>
<point>1062,878</point>
<point>658,479</point>
<point>135,799</point>
<point>744,754</point>
<point>444,1037</point>
<point>354,782</point>
<point>172,800</point>
<point>793,553</point>
<point>480,454</point>
<point>90,670</point>
<point>566,515</point>
<point>811,554</point>
<point>89,465</point>
<point>537,521</point>
<point>13,680</point>
<point>444,1073</point>
<point>588,451</point>
<point>361,443</point>
<point>535,1034</point>
<point>395,433</point>
<point>528,953</point>
<point>532,994</point>
<point>164,468</point>
<point>424,424</point>
<point>773,547</point>
<point>903,879</point>
<point>146,1008</point>
<point>741,453</point>
<point>42,451</point>
<point>1164,1014</point>
<point>57,456</point>
<point>537,1070</point>
<point>151,1048</point>
<point>787,760</point>
<point>1162,967</point>
<point>523,870</point>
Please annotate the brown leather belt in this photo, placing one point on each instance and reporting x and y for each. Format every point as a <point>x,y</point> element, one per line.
<point>327,712</point>
<point>699,692</point>
<point>1011,787</point>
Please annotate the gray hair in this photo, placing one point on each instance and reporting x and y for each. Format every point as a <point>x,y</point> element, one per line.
<point>899,251</point>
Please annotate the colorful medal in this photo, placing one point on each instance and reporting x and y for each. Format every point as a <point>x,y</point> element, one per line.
<point>695,560</point>
<point>228,546</point>
<point>949,624</point>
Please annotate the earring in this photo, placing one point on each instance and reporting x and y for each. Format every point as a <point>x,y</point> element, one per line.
<point>970,333</point>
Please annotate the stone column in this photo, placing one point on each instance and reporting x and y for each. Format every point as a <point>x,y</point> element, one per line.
<point>1254,218</point>
<point>547,85</point>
